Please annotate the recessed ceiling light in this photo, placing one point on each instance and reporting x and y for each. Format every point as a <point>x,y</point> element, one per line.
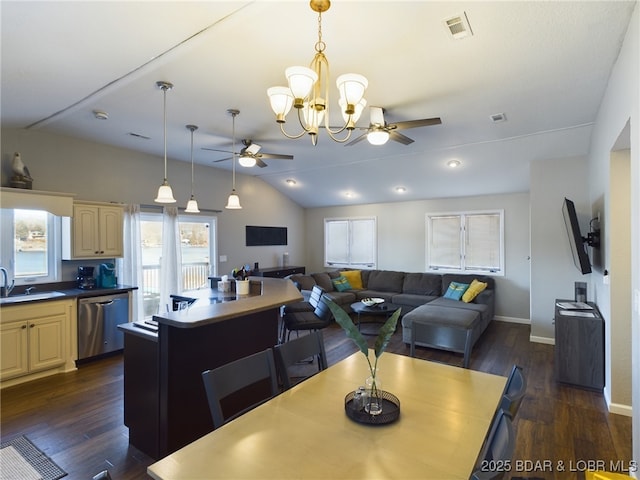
<point>348,194</point>
<point>100,115</point>
<point>453,163</point>
<point>401,189</point>
<point>290,181</point>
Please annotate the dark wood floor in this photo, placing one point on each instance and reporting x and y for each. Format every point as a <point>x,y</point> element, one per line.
<point>77,418</point>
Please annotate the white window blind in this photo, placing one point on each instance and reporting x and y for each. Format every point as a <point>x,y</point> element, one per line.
<point>350,242</point>
<point>466,242</point>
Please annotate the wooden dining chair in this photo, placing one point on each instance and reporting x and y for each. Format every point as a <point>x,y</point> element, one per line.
<point>514,391</point>
<point>230,378</point>
<point>295,351</point>
<point>497,449</point>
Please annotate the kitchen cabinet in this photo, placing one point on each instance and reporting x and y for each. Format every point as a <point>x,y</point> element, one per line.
<point>36,338</point>
<point>94,231</point>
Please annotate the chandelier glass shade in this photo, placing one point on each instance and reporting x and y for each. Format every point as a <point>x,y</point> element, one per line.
<point>165,193</point>
<point>192,204</point>
<point>233,202</point>
<point>308,93</point>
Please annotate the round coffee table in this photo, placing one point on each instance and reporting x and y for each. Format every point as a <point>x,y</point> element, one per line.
<point>381,310</point>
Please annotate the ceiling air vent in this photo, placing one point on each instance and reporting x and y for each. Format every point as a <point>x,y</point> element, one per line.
<point>498,117</point>
<point>458,26</point>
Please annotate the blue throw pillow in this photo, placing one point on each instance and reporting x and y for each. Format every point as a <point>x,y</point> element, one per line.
<point>341,284</point>
<point>456,290</point>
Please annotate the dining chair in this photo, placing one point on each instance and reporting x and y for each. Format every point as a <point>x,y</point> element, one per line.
<point>317,319</point>
<point>514,391</point>
<point>497,449</point>
<point>295,351</point>
<point>232,377</point>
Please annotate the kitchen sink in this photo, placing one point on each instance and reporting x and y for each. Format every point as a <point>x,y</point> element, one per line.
<point>30,297</point>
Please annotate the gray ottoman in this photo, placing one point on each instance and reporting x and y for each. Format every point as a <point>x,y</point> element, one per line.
<point>453,329</point>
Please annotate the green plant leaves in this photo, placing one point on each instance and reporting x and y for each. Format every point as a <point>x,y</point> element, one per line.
<point>385,333</point>
<point>344,320</point>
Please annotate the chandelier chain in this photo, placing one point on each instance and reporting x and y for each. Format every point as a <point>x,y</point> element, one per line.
<point>320,45</point>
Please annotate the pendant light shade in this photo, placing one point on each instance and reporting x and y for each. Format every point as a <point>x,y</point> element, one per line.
<point>165,194</point>
<point>192,204</point>
<point>233,203</point>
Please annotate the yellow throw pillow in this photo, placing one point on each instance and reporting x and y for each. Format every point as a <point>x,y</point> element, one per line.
<point>354,277</point>
<point>474,289</point>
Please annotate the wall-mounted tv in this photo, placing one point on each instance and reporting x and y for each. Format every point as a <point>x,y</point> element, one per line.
<point>576,240</point>
<point>261,236</point>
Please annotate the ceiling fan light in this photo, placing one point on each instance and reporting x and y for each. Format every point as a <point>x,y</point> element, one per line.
<point>352,87</point>
<point>165,194</point>
<point>233,202</point>
<point>192,206</point>
<point>281,101</point>
<point>378,137</point>
<point>300,79</point>
<point>247,161</point>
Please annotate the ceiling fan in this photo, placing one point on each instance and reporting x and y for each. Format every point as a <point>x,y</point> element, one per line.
<point>379,131</point>
<point>249,155</point>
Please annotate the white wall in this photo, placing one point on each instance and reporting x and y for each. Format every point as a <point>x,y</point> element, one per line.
<point>553,272</point>
<point>103,173</point>
<point>621,106</point>
<point>401,240</point>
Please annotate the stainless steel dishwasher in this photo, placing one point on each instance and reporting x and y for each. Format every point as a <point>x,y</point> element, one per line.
<point>98,320</point>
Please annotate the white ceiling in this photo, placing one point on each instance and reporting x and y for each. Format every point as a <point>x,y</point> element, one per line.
<point>545,65</point>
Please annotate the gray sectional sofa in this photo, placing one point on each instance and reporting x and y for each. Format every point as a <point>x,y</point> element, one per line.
<point>443,323</point>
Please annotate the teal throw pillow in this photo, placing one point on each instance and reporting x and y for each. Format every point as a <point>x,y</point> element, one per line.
<point>456,290</point>
<point>341,284</point>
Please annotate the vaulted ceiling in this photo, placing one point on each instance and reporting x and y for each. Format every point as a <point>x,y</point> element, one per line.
<point>543,65</point>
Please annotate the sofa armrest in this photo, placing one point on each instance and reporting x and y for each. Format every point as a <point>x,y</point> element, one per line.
<point>486,297</point>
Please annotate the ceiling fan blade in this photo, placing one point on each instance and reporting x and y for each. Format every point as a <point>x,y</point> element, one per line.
<point>222,160</point>
<point>275,155</point>
<point>260,163</point>
<point>376,116</point>
<point>425,122</point>
<point>216,150</point>
<point>400,138</point>
<point>358,139</point>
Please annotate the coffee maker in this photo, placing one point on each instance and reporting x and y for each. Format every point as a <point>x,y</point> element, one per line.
<point>85,278</point>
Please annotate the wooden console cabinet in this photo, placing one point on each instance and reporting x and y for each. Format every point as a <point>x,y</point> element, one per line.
<point>278,272</point>
<point>579,348</point>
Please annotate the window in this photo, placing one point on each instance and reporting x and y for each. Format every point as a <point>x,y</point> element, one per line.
<point>470,242</point>
<point>197,246</point>
<point>350,242</point>
<point>30,246</point>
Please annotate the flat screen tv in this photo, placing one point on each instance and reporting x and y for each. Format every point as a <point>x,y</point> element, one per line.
<point>576,240</point>
<point>261,236</point>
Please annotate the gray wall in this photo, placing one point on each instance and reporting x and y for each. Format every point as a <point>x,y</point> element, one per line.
<point>102,173</point>
<point>401,240</point>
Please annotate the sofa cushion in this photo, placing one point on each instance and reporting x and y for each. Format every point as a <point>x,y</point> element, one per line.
<point>385,281</point>
<point>344,299</point>
<point>447,302</point>
<point>365,277</point>
<point>454,317</point>
<point>412,300</point>
<point>341,284</point>
<point>304,282</point>
<point>354,277</point>
<point>447,278</point>
<point>474,289</point>
<point>324,280</point>
<point>422,284</point>
<point>456,290</point>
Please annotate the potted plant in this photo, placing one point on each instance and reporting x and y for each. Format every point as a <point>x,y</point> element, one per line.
<point>382,340</point>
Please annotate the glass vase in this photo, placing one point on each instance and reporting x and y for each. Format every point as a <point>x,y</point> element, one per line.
<point>373,401</point>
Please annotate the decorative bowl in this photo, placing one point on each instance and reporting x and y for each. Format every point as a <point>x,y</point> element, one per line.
<point>370,302</point>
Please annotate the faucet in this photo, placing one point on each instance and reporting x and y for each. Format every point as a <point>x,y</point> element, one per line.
<point>5,289</point>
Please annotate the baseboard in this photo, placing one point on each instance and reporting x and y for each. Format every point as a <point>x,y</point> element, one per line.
<point>524,321</point>
<point>545,340</point>
<point>617,408</point>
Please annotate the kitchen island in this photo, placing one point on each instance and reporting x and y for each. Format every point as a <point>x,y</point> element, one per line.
<point>165,401</point>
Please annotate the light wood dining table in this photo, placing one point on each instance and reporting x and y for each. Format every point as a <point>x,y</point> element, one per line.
<point>304,433</point>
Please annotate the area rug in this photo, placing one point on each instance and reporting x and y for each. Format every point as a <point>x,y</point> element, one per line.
<point>22,460</point>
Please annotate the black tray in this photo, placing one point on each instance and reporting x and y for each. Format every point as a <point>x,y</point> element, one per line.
<point>390,410</point>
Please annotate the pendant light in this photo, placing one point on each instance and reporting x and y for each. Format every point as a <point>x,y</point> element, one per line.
<point>165,194</point>
<point>233,203</point>
<point>192,204</point>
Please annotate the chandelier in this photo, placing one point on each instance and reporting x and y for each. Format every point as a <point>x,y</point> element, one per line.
<point>308,92</point>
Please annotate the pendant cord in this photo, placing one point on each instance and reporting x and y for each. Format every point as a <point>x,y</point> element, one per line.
<point>164,90</point>
<point>233,151</point>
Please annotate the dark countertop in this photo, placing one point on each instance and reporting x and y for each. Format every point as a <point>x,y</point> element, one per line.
<point>211,306</point>
<point>61,291</point>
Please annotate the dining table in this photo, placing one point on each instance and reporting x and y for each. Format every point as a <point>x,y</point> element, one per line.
<point>304,432</point>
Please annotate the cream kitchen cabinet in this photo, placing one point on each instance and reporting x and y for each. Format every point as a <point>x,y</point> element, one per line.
<point>36,339</point>
<point>95,231</point>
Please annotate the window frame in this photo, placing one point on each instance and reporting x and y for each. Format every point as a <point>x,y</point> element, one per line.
<point>372,264</point>
<point>54,249</point>
<point>463,215</point>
